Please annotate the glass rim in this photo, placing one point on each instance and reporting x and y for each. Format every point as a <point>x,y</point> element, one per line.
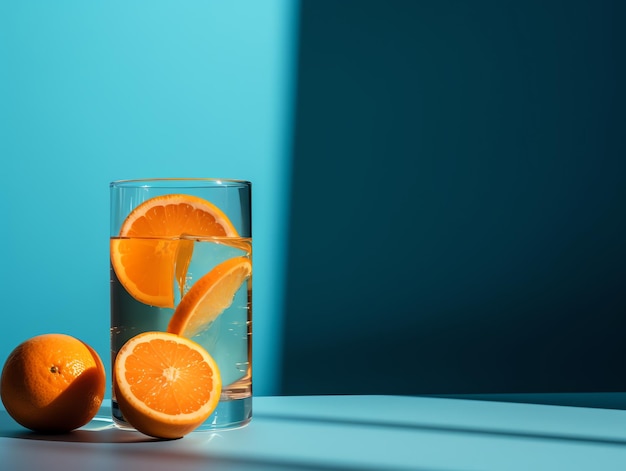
<point>187,182</point>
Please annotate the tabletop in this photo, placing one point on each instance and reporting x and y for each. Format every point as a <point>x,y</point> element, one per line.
<point>346,433</point>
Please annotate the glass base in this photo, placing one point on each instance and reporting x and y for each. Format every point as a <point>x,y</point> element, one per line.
<point>227,415</point>
<point>230,414</point>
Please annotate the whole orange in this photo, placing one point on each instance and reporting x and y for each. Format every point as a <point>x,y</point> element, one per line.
<point>52,383</point>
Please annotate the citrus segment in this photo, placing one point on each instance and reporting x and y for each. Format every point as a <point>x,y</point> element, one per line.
<point>165,385</point>
<point>145,268</point>
<point>144,254</point>
<point>209,297</point>
<point>176,214</point>
<point>52,383</point>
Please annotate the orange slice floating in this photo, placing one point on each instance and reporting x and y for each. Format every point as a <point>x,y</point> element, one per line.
<point>144,256</point>
<point>209,297</point>
<point>165,385</point>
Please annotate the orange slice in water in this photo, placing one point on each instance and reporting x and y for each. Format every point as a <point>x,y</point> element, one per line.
<point>144,255</point>
<point>209,297</point>
<point>165,385</point>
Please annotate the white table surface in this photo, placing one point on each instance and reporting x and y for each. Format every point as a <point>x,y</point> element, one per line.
<point>345,433</point>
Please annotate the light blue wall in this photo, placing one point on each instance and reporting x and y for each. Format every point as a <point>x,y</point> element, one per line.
<point>96,91</point>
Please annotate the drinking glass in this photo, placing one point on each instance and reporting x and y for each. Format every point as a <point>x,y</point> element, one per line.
<point>160,248</point>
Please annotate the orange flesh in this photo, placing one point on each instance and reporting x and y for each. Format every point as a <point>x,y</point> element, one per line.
<point>164,375</point>
<point>209,297</point>
<point>173,220</point>
<point>165,385</point>
<point>144,255</point>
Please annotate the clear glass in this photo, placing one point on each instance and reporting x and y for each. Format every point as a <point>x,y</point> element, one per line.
<point>228,338</point>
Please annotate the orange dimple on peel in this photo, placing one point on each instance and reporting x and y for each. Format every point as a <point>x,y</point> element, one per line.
<point>52,383</point>
<point>209,297</point>
<point>144,255</point>
<point>165,385</point>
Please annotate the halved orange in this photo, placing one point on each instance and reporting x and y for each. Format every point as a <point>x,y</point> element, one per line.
<point>211,295</point>
<point>165,385</point>
<point>144,255</point>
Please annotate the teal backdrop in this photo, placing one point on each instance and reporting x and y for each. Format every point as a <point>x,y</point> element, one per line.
<point>438,185</point>
<point>92,92</point>
<point>458,220</point>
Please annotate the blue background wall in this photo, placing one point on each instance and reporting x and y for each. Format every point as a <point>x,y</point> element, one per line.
<point>91,92</point>
<point>450,200</point>
<point>458,222</point>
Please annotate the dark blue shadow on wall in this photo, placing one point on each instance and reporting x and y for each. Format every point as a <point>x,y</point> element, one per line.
<point>458,220</point>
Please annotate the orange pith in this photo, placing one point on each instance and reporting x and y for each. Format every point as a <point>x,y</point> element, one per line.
<point>209,297</point>
<point>165,385</point>
<point>144,255</point>
<point>53,383</point>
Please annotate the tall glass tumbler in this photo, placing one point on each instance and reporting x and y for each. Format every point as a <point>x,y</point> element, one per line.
<point>173,242</point>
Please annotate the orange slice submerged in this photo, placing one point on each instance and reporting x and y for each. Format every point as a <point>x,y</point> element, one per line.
<point>165,385</point>
<point>144,255</point>
<point>211,295</point>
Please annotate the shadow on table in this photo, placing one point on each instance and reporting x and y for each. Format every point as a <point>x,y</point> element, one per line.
<point>600,400</point>
<point>614,401</point>
<point>455,429</point>
<point>99,430</point>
